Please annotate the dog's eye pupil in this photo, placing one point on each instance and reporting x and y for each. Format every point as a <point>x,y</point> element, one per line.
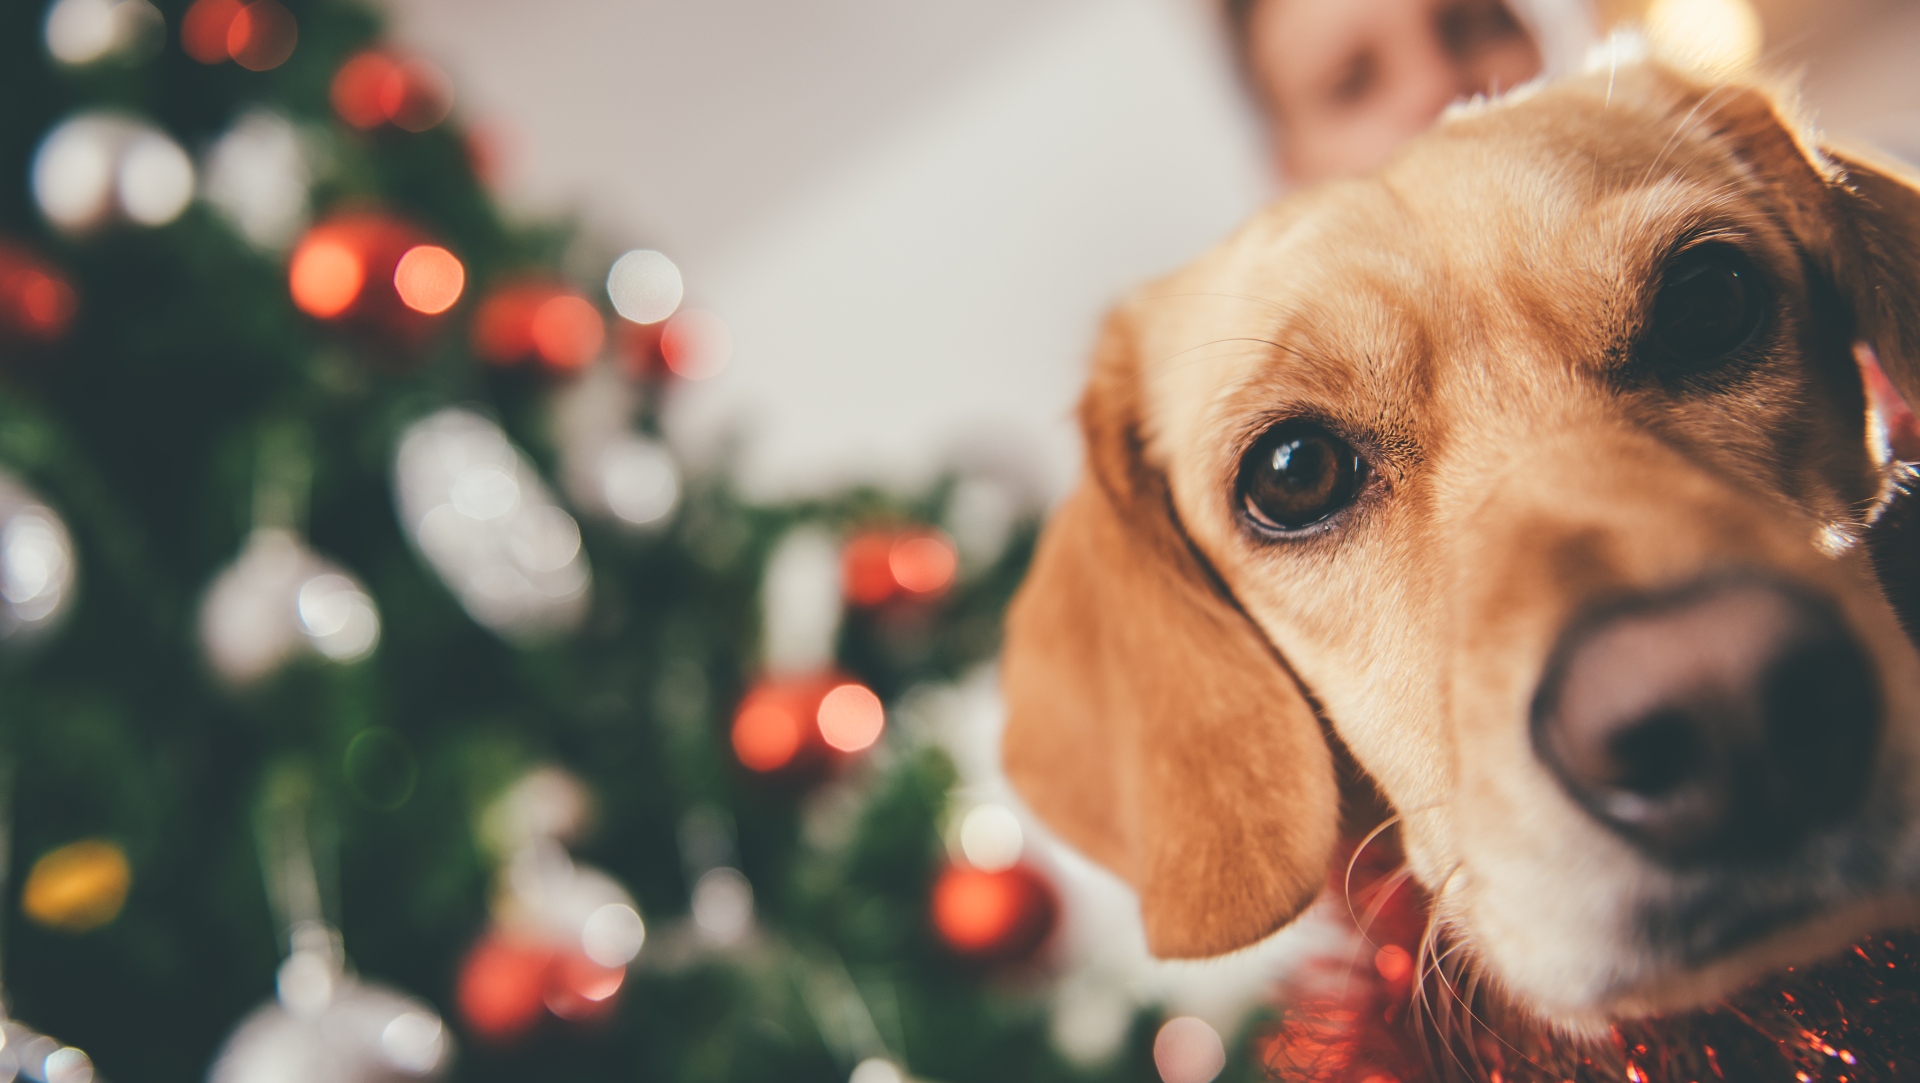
<point>1298,474</point>
<point>1710,304</point>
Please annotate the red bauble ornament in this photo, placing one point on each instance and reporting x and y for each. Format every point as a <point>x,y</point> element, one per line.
<point>537,320</point>
<point>1001,915</point>
<point>256,34</point>
<point>796,723</point>
<point>374,273</point>
<point>502,987</point>
<point>377,88</point>
<point>879,566</point>
<point>509,986</point>
<point>37,303</point>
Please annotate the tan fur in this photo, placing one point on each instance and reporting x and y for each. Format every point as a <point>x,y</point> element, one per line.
<point>1467,311</point>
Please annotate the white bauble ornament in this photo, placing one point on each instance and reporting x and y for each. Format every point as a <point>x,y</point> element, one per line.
<point>327,1026</point>
<point>802,602</point>
<point>722,906</point>
<point>98,167</point>
<point>258,175</point>
<point>279,599</point>
<point>26,1053</point>
<point>484,520</point>
<point>81,32</point>
<point>36,565</point>
<point>608,470</point>
<point>548,897</point>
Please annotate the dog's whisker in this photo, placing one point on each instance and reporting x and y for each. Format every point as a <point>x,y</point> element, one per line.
<point>1346,886</point>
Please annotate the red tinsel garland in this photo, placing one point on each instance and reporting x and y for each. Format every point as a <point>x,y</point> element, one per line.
<point>1388,1014</point>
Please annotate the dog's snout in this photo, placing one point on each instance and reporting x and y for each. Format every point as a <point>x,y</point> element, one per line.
<point>1723,721</point>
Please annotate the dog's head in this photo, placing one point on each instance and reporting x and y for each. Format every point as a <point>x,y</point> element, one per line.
<point>1535,466</point>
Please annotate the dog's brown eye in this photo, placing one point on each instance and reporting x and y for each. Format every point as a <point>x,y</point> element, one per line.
<point>1298,474</point>
<point>1711,302</point>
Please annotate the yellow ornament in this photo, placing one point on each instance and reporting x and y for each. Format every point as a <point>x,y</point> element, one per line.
<point>78,887</point>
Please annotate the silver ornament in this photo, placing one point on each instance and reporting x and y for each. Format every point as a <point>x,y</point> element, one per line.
<point>36,565</point>
<point>279,599</point>
<point>479,513</point>
<point>99,167</point>
<point>327,1026</point>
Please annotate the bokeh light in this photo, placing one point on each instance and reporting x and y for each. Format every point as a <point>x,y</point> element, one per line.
<point>876,1070</point>
<point>358,90</point>
<point>538,321</point>
<point>567,331</point>
<point>64,1065</point>
<point>1394,963</point>
<point>73,172</point>
<point>485,520</point>
<point>880,565</point>
<point>429,279</point>
<point>923,563</point>
<point>420,99</point>
<point>205,29</point>
<point>155,179</point>
<point>972,908</point>
<point>580,989</point>
<point>613,934</point>
<point>1719,37</point>
<point>325,276</point>
<point>696,344</point>
<point>258,174</point>
<point>767,733</point>
<point>638,480</point>
<point>261,35</point>
<point>990,837</point>
<point>37,304</point>
<point>645,286</point>
<point>96,164</point>
<point>851,718</point>
<point>374,88</point>
<point>1002,914</point>
<point>722,906</point>
<point>867,569</point>
<point>381,768</point>
<point>77,887</point>
<point>414,1042</point>
<point>80,32</point>
<point>37,566</point>
<point>502,986</point>
<point>339,619</point>
<point>1188,1050</point>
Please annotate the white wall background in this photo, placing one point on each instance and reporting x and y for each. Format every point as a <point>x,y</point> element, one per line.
<point>912,215</point>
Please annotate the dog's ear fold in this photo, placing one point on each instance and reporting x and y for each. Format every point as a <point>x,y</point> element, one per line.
<point>1150,723</point>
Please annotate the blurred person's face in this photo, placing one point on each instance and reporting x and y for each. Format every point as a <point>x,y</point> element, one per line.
<point>1345,82</point>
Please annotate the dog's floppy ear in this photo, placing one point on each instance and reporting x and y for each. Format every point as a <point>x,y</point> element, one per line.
<point>1857,215</point>
<point>1150,723</point>
<point>1880,201</point>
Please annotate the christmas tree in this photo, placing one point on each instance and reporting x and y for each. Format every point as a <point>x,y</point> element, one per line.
<point>369,664</point>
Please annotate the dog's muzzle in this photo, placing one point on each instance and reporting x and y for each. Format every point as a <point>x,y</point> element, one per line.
<point>1719,725</point>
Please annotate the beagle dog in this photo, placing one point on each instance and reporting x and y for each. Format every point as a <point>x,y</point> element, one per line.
<point>1535,473</point>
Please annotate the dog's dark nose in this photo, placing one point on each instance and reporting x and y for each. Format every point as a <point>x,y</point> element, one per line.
<point>1723,721</point>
